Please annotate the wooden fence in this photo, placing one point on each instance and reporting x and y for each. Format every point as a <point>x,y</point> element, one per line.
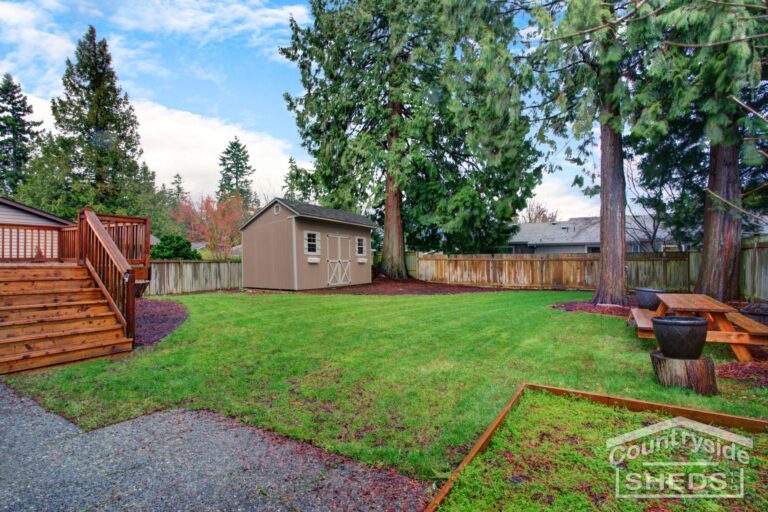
<point>172,277</point>
<point>670,271</point>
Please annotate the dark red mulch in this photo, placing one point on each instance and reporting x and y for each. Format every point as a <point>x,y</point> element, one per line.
<point>588,307</point>
<point>382,285</point>
<point>156,319</point>
<point>755,372</point>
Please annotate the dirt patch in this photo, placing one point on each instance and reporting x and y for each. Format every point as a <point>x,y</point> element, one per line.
<point>382,285</point>
<point>588,307</point>
<point>755,372</point>
<point>156,319</point>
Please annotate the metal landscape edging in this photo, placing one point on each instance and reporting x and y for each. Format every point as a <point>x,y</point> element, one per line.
<point>748,424</point>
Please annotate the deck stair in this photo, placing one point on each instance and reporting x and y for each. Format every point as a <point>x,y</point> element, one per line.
<point>52,314</point>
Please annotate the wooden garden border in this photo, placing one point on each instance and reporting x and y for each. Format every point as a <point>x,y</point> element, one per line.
<point>710,417</point>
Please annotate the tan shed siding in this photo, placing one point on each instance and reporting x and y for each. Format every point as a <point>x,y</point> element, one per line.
<point>9,215</point>
<point>267,251</point>
<point>315,275</point>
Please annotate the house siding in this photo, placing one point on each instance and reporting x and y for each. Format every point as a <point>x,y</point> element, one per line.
<point>10,215</point>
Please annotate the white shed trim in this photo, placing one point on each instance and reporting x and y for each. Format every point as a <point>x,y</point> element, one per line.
<point>295,265</point>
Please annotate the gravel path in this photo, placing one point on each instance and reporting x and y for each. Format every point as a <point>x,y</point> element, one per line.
<point>179,460</point>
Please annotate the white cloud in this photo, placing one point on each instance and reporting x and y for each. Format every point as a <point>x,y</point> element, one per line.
<point>39,47</point>
<point>556,193</point>
<point>210,20</point>
<point>176,141</point>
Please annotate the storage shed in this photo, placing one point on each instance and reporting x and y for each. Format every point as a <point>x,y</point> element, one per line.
<point>288,245</point>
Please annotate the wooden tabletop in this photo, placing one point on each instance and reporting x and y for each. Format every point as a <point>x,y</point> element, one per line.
<point>693,302</point>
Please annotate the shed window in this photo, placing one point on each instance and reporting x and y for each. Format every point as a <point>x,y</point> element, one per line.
<point>360,246</point>
<point>311,242</point>
<point>276,209</point>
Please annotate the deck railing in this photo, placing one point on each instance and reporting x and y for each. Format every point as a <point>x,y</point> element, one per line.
<point>130,234</point>
<point>109,268</point>
<point>31,243</point>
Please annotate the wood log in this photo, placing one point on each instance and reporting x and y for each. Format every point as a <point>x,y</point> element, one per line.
<point>695,374</point>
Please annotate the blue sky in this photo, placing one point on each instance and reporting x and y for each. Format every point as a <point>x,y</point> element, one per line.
<point>199,72</point>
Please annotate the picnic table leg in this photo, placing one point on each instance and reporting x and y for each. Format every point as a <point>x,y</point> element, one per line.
<point>723,324</point>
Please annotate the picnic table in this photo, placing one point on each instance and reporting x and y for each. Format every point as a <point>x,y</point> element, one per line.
<point>726,324</point>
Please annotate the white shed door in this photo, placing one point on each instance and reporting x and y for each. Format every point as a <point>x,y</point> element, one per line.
<point>339,259</point>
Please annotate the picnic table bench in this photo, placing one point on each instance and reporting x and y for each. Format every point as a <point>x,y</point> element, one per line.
<point>726,324</point>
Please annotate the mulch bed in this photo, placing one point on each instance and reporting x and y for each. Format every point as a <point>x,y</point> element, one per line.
<point>382,285</point>
<point>755,372</point>
<point>156,319</point>
<point>588,307</point>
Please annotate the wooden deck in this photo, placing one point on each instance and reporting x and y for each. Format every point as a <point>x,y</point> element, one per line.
<point>68,294</point>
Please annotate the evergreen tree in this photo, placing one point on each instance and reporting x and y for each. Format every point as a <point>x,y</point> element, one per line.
<point>299,184</point>
<point>713,54</point>
<point>96,118</point>
<point>17,134</point>
<point>177,188</point>
<point>235,174</point>
<point>415,105</point>
<point>591,53</point>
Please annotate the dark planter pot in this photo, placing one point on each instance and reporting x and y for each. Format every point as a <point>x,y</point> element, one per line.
<point>757,317</point>
<point>681,337</point>
<point>647,299</point>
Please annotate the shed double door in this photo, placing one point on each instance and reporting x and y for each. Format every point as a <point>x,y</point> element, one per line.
<point>339,260</point>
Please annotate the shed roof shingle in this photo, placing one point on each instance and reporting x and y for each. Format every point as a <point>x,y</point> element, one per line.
<point>318,212</point>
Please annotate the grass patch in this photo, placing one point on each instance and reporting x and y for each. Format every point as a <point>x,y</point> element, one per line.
<point>541,458</point>
<point>407,381</point>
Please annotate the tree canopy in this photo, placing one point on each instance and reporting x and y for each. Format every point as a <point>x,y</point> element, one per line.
<point>235,174</point>
<point>412,112</point>
<point>17,134</point>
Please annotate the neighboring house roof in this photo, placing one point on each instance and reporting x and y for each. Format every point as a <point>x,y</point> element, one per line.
<point>236,250</point>
<point>312,211</point>
<point>198,246</point>
<point>34,211</point>
<point>582,231</point>
<point>153,240</point>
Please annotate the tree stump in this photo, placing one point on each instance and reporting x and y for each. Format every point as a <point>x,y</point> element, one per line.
<point>696,374</point>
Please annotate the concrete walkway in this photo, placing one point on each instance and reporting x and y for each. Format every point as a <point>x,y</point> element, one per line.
<point>179,460</point>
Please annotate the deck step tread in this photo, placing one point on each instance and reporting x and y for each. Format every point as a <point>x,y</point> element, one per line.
<point>48,292</point>
<point>72,316</point>
<point>45,279</point>
<point>60,350</point>
<point>56,334</point>
<point>54,305</point>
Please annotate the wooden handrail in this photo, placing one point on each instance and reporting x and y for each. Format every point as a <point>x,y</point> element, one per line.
<point>109,268</point>
<point>106,241</point>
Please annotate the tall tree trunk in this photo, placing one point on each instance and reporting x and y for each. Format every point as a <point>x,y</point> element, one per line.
<point>611,284</point>
<point>719,271</point>
<point>393,248</point>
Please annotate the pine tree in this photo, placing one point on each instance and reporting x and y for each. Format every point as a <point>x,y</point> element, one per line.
<point>299,184</point>
<point>17,134</point>
<point>412,110</point>
<point>97,119</point>
<point>177,188</point>
<point>235,174</point>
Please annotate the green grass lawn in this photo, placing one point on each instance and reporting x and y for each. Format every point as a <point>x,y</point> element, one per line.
<point>408,381</point>
<point>538,461</point>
